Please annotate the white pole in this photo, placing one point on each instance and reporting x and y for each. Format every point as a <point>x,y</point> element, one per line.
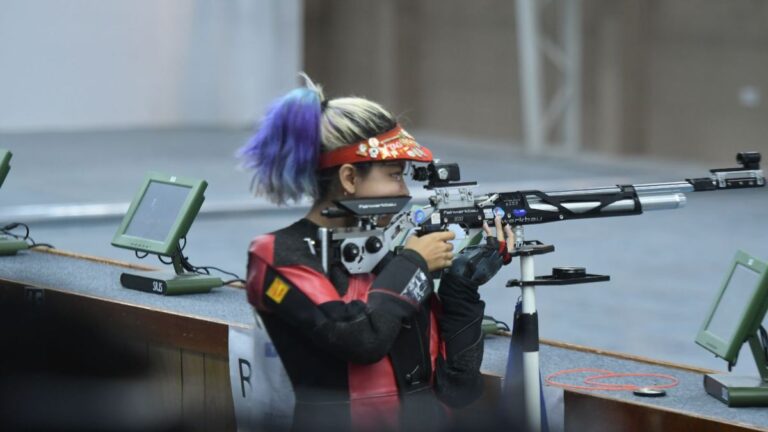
<point>531,382</point>
<point>530,74</point>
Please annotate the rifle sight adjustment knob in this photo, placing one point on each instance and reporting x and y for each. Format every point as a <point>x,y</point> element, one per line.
<point>442,174</point>
<point>373,245</point>
<point>350,252</point>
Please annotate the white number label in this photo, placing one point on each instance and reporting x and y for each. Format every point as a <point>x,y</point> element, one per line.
<point>157,286</point>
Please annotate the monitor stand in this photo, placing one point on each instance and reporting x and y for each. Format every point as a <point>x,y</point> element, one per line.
<point>10,245</point>
<point>167,283</point>
<point>742,391</point>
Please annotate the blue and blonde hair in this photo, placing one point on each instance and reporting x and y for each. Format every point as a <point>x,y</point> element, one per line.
<point>284,152</point>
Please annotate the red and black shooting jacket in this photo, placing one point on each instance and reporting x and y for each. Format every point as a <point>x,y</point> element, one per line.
<point>375,351</point>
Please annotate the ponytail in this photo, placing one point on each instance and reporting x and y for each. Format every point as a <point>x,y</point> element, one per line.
<point>284,151</point>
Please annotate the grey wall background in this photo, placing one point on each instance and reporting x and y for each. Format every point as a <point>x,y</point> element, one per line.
<point>90,64</point>
<point>681,79</point>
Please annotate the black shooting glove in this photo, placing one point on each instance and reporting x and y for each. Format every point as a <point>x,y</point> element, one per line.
<point>458,379</point>
<point>478,263</point>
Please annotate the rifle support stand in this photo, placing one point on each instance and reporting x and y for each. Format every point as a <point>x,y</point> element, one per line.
<point>527,250</point>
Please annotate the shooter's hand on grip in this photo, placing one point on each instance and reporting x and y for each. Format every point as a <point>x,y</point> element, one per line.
<point>480,263</point>
<point>434,248</point>
<point>506,239</point>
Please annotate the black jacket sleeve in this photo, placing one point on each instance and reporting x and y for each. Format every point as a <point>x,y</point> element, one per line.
<point>354,331</point>
<point>458,381</point>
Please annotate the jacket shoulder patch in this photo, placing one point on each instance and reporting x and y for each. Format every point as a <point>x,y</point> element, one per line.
<point>277,290</point>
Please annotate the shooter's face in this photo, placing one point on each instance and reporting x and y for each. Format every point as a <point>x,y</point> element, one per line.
<point>384,180</point>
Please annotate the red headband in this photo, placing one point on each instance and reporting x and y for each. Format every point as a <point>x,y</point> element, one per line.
<point>395,144</point>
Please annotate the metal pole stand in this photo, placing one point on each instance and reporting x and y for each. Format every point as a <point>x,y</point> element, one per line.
<point>526,250</point>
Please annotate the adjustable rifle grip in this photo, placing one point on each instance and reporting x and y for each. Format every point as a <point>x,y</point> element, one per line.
<point>429,229</point>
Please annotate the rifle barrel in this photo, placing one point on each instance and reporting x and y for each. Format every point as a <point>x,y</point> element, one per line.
<point>641,189</point>
<point>647,202</point>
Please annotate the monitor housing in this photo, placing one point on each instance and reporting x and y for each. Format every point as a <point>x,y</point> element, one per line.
<point>735,318</point>
<point>159,216</point>
<point>9,245</point>
<point>5,164</point>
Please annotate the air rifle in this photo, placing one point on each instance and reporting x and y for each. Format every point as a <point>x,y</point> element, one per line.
<point>454,202</point>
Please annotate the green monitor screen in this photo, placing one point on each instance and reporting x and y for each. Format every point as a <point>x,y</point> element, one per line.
<point>160,214</point>
<point>738,309</point>
<point>5,164</point>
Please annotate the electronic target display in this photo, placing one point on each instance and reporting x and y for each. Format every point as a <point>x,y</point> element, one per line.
<point>741,286</point>
<point>738,309</point>
<point>157,211</point>
<point>735,319</point>
<point>160,214</point>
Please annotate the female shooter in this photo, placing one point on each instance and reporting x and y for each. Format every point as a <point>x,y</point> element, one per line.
<point>370,351</point>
